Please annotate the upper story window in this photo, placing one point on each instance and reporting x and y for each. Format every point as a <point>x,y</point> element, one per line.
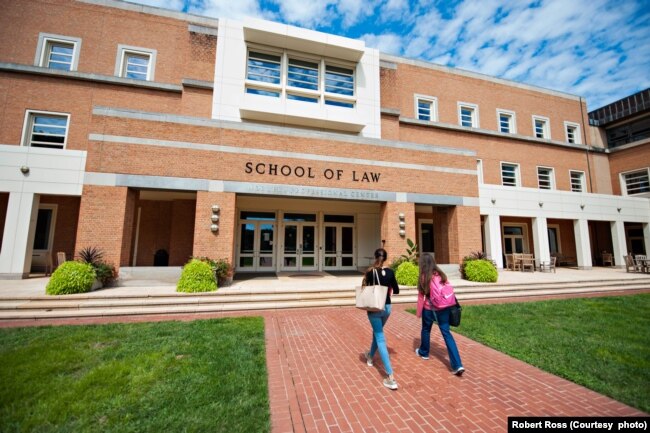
<point>57,52</point>
<point>541,127</point>
<point>509,174</point>
<point>577,181</point>
<point>545,178</point>
<point>135,63</point>
<point>426,108</point>
<point>572,133</point>
<point>636,182</point>
<point>468,115</point>
<point>631,131</point>
<point>44,129</point>
<point>506,121</point>
<point>307,80</point>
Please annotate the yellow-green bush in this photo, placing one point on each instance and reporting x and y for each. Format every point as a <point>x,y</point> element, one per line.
<point>407,274</point>
<point>197,276</point>
<point>482,271</point>
<point>71,277</point>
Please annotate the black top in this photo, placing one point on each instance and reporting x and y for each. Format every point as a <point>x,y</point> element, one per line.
<point>386,278</point>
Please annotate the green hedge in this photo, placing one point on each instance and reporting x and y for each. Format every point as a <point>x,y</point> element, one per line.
<point>197,276</point>
<point>407,274</point>
<point>482,271</point>
<point>71,277</point>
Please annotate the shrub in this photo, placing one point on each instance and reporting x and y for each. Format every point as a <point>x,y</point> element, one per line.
<point>223,270</point>
<point>104,272</point>
<point>71,277</point>
<point>411,252</point>
<point>398,261</point>
<point>476,255</point>
<point>197,276</point>
<point>407,274</point>
<point>482,271</point>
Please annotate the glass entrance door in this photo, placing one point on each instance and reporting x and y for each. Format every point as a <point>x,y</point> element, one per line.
<point>513,239</point>
<point>256,242</point>
<point>339,246</point>
<point>299,246</point>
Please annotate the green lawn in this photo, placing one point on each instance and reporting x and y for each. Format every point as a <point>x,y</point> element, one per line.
<point>600,343</point>
<point>199,376</point>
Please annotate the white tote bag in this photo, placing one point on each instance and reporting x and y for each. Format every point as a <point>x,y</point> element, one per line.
<point>372,297</point>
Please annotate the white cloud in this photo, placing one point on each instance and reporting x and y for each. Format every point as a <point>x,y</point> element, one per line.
<point>237,9</point>
<point>387,43</point>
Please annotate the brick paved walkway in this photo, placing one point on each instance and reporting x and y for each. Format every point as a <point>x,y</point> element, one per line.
<point>319,380</point>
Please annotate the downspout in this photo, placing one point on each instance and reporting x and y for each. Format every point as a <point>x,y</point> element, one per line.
<point>584,134</point>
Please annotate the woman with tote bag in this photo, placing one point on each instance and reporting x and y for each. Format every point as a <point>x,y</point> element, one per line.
<point>378,318</point>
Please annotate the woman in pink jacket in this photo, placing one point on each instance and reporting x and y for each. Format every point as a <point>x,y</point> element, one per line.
<point>435,296</point>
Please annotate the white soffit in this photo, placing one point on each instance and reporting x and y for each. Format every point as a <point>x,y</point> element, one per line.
<point>298,39</point>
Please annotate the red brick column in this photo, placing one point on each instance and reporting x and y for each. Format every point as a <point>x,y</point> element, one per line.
<point>395,244</point>
<point>106,222</point>
<point>464,229</point>
<point>220,244</point>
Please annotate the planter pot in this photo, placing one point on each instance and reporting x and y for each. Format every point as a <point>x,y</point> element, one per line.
<point>97,284</point>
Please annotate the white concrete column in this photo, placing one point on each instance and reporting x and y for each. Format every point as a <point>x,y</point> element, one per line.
<point>619,243</point>
<point>18,238</point>
<point>646,238</point>
<point>583,246</point>
<point>540,240</point>
<point>492,233</point>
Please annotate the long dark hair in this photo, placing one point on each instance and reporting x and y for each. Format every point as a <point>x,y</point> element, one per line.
<point>428,267</point>
<point>380,257</point>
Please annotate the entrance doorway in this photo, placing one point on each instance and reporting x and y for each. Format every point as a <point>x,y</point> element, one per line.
<point>514,239</point>
<point>256,241</point>
<point>299,250</point>
<point>339,242</point>
<point>43,238</point>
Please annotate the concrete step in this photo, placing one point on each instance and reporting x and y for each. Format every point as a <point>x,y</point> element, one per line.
<point>243,300</point>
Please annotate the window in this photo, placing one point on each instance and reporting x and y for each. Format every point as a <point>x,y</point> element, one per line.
<point>426,108</point>
<point>57,52</point>
<point>307,80</point>
<point>545,178</point>
<point>541,128</point>
<point>135,63</point>
<point>468,115</point>
<point>630,132</point>
<point>48,130</point>
<point>572,133</point>
<point>636,182</point>
<point>509,174</point>
<point>506,121</point>
<point>577,181</point>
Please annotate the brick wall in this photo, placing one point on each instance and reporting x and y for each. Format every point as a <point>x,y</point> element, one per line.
<point>464,225</point>
<point>67,217</point>
<point>628,160</point>
<point>395,245</point>
<point>181,239</point>
<point>207,243</point>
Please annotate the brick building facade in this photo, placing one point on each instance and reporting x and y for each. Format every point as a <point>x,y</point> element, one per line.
<point>156,135</point>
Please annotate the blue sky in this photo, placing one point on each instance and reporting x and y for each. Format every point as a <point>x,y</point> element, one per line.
<point>598,49</point>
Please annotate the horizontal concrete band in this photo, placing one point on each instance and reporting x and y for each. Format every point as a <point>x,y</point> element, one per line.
<point>187,184</point>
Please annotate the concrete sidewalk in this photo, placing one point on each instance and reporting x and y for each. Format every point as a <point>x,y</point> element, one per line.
<point>35,286</point>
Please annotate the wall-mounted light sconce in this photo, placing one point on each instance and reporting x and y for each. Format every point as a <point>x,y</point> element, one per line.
<point>214,218</point>
<point>541,204</point>
<point>215,208</point>
<point>494,200</point>
<point>214,228</point>
<point>402,232</point>
<point>582,206</point>
<point>24,169</point>
<point>402,224</point>
<point>401,216</point>
<point>618,209</point>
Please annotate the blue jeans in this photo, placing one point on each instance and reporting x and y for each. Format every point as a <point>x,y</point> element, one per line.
<point>443,323</point>
<point>377,321</point>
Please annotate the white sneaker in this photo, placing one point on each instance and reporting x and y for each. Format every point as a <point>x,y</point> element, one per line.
<point>417,352</point>
<point>459,371</point>
<point>368,359</point>
<point>390,383</point>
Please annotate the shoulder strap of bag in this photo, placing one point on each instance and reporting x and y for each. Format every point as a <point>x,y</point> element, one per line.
<point>375,276</point>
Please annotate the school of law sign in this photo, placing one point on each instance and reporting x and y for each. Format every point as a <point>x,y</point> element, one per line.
<point>299,171</point>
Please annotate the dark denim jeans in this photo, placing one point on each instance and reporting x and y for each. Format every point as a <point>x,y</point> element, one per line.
<point>377,321</point>
<point>428,318</point>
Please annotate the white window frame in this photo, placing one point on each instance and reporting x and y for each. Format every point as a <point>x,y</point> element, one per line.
<point>512,123</point>
<point>123,50</point>
<point>582,180</point>
<point>28,127</point>
<point>546,130</point>
<point>517,173</point>
<point>551,177</point>
<point>434,107</point>
<point>624,182</point>
<point>45,40</point>
<point>479,171</point>
<point>577,138</point>
<point>475,116</point>
<point>524,235</point>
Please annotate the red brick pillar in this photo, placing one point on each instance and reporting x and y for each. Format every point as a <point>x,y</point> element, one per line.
<point>219,244</point>
<point>464,228</point>
<point>106,216</point>
<point>395,245</point>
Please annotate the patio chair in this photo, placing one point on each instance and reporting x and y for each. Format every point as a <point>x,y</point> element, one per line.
<point>60,258</point>
<point>527,262</point>
<point>548,266</point>
<point>608,259</point>
<point>641,263</point>
<point>630,265</point>
<point>516,262</point>
<point>509,262</point>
